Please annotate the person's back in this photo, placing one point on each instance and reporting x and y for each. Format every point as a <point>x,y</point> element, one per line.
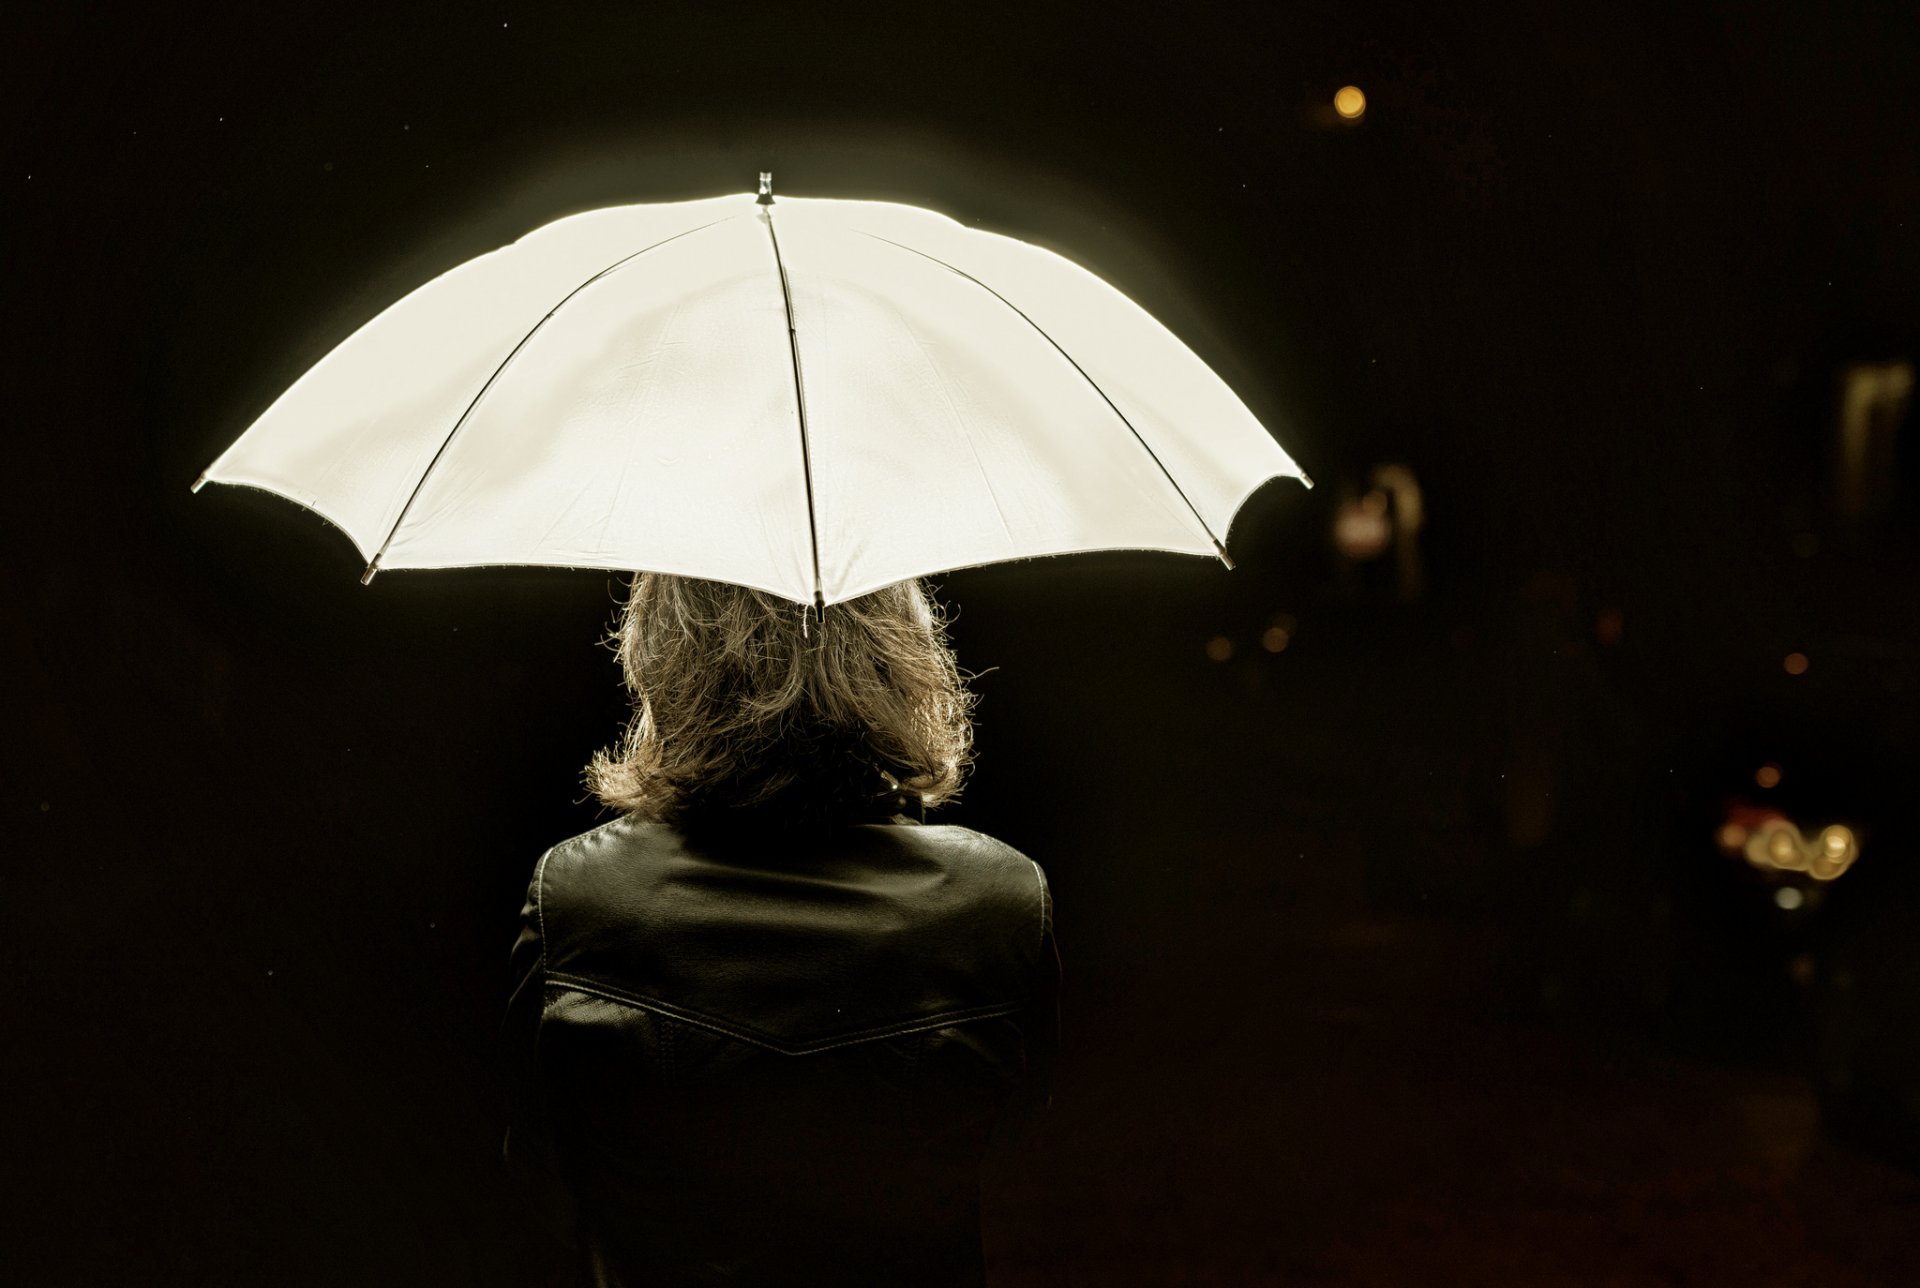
<point>763,1024</point>
<point>777,1058</point>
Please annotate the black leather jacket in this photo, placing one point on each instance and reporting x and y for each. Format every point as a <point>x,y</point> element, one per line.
<point>748,1057</point>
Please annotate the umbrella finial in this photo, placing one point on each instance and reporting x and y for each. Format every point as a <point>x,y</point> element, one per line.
<point>766,189</point>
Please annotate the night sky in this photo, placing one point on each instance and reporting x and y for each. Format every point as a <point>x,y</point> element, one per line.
<point>1591,275</point>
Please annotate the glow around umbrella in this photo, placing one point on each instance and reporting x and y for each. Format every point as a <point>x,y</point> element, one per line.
<point>815,397</point>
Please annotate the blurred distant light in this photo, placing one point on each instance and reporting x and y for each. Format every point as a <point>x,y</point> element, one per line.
<point>1790,898</point>
<point>1796,663</point>
<point>1361,528</point>
<point>1873,402</point>
<point>1350,102</point>
<point>1778,846</point>
<point>1783,847</point>
<point>1274,639</point>
<point>1839,847</point>
<point>1219,648</point>
<point>1732,837</point>
<point>1400,494</point>
<point>1285,621</point>
<point>1768,775</point>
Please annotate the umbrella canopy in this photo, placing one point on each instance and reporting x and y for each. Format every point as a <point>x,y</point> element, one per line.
<point>816,398</point>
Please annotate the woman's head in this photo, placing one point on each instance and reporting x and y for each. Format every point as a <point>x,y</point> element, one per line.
<point>744,709</point>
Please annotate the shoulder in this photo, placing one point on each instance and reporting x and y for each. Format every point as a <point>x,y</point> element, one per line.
<point>990,860</point>
<point>628,862</point>
<point>576,863</point>
<point>969,846</point>
<point>617,835</point>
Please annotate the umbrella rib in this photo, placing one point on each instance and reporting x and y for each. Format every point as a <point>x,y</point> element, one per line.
<point>800,402</point>
<point>373,565</point>
<point>1137,436</point>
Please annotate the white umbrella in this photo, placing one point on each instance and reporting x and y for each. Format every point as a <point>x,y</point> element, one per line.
<point>817,398</point>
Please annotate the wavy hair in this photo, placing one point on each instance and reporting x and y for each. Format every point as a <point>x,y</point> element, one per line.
<point>743,710</point>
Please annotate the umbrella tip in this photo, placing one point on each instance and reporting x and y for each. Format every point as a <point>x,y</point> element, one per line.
<point>766,189</point>
<point>372,568</point>
<point>1225,558</point>
<point>199,483</point>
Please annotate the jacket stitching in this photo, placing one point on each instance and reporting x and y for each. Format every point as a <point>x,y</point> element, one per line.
<point>573,842</point>
<point>540,906</point>
<point>540,878</point>
<point>1046,901</point>
<point>746,1034</point>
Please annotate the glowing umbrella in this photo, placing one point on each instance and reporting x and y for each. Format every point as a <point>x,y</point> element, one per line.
<point>816,398</point>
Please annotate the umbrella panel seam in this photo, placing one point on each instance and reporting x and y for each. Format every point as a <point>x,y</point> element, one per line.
<point>1094,384</point>
<point>447,442</point>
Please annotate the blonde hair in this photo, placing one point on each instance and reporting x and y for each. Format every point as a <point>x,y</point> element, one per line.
<point>743,709</point>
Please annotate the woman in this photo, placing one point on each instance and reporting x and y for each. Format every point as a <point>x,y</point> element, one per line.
<point>764,1023</point>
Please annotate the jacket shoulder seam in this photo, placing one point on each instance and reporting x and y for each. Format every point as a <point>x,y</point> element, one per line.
<point>1046,900</point>
<point>540,904</point>
<point>540,875</point>
<point>574,841</point>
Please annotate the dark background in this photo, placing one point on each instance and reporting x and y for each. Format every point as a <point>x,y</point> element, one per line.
<point>1402,955</point>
